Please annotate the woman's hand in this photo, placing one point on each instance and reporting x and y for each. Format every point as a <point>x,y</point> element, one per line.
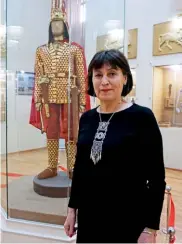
<point>69,224</point>
<point>147,238</point>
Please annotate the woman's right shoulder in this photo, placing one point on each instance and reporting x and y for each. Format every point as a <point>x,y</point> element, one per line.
<point>89,113</point>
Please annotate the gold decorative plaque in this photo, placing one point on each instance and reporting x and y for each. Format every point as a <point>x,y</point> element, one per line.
<point>110,41</point>
<point>166,39</point>
<point>132,43</point>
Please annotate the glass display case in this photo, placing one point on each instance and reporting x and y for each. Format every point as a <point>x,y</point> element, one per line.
<point>49,46</point>
<point>167,95</point>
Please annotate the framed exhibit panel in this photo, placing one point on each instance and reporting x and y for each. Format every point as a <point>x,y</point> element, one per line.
<point>112,40</point>
<point>132,41</point>
<point>167,38</point>
<point>167,95</point>
<point>24,83</point>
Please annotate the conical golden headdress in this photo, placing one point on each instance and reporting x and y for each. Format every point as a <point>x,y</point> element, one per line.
<point>58,10</point>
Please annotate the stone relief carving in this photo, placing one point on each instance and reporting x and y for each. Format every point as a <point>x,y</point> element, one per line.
<point>170,37</point>
<point>113,43</point>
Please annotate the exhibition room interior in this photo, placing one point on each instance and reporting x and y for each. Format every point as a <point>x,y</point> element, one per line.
<point>153,46</point>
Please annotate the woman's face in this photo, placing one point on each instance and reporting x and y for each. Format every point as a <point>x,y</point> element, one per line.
<point>108,83</point>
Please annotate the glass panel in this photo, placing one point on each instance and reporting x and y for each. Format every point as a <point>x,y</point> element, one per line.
<point>104,28</point>
<point>39,64</point>
<point>167,95</point>
<point>47,59</point>
<point>77,76</point>
<point>3,106</point>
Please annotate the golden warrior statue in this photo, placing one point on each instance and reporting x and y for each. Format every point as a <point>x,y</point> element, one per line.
<point>49,111</point>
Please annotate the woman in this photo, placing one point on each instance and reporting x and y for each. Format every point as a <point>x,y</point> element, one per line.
<point>118,181</point>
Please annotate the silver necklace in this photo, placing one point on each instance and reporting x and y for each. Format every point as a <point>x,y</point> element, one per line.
<point>96,150</point>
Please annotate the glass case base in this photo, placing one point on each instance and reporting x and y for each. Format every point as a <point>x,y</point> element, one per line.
<point>25,204</point>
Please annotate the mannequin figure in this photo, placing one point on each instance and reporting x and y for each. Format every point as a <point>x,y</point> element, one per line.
<point>50,99</point>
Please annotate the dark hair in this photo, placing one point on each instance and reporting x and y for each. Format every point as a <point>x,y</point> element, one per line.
<point>115,59</point>
<point>51,36</point>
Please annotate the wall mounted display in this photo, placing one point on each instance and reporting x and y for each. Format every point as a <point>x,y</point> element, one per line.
<point>24,83</point>
<point>167,95</point>
<point>132,43</point>
<point>167,39</point>
<point>113,39</point>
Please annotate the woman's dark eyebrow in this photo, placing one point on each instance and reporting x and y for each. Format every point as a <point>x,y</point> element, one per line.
<point>111,68</point>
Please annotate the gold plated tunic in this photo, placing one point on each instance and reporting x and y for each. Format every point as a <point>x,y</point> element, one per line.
<point>53,61</point>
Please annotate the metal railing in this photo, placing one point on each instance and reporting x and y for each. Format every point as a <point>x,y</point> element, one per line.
<point>169,213</point>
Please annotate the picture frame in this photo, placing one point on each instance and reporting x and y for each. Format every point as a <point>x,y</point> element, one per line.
<point>25,83</point>
<point>132,43</point>
<point>112,40</point>
<point>166,39</point>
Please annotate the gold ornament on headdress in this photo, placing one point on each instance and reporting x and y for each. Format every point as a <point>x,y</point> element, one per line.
<point>58,10</point>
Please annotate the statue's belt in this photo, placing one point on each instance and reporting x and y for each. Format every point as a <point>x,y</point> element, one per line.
<point>45,78</point>
<point>61,75</point>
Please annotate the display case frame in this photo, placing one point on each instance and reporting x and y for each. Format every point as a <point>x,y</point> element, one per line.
<point>169,104</point>
<point>3,109</point>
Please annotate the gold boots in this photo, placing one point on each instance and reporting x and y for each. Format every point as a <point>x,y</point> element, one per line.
<point>53,152</point>
<point>70,152</point>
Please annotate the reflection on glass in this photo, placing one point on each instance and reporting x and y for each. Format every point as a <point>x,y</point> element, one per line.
<point>38,188</point>
<point>104,29</point>
<point>54,59</point>
<point>167,95</point>
<point>131,97</point>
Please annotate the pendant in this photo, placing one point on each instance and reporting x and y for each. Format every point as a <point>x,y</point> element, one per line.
<point>96,150</point>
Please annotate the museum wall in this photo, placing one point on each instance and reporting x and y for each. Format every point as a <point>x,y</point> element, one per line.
<point>32,18</point>
<point>143,15</point>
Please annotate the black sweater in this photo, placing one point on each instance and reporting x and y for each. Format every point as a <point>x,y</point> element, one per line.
<point>130,178</point>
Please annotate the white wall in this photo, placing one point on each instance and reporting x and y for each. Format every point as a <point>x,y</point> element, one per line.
<point>33,16</point>
<point>143,15</point>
